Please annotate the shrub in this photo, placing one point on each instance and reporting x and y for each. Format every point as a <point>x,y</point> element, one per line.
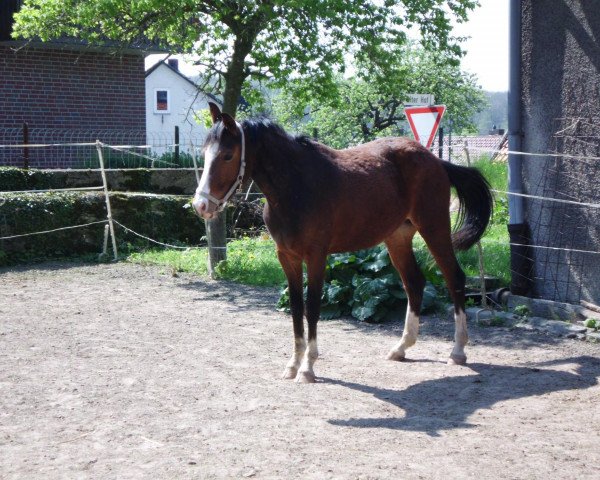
<point>363,284</point>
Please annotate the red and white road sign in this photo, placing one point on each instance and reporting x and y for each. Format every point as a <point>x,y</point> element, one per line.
<point>424,122</point>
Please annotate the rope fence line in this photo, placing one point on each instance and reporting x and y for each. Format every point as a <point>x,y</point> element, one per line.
<point>576,250</point>
<point>124,148</point>
<point>178,247</point>
<point>168,245</point>
<point>53,190</point>
<point>549,199</point>
<point>46,145</point>
<point>531,154</point>
<point>99,145</point>
<point>53,230</point>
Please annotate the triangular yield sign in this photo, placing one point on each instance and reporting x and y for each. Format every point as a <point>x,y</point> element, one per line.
<point>424,122</point>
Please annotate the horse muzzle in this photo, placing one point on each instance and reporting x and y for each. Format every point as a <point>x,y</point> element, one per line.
<point>204,208</point>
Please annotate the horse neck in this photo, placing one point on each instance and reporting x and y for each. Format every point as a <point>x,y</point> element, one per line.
<point>277,169</point>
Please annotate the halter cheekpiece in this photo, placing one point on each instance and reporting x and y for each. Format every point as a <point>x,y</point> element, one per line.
<point>240,177</point>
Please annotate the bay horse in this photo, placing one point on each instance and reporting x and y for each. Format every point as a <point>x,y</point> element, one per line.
<point>321,201</point>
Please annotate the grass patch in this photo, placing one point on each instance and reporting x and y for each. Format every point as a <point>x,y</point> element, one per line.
<point>251,261</point>
<point>191,261</point>
<point>496,257</point>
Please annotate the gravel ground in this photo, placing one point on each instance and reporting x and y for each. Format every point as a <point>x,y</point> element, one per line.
<point>123,371</point>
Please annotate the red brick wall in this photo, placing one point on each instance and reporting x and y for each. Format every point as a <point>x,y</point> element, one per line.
<point>70,92</point>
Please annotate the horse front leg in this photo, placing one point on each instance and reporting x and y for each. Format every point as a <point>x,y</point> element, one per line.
<point>292,267</point>
<point>315,266</point>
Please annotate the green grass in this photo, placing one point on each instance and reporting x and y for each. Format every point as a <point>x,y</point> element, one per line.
<point>251,261</point>
<point>192,260</point>
<point>496,257</point>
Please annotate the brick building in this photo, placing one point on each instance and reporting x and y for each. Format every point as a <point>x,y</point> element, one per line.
<point>67,92</point>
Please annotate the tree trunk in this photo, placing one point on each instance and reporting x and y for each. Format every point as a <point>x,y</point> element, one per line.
<point>216,229</point>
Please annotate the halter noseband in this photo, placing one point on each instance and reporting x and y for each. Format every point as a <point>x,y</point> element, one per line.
<point>220,204</point>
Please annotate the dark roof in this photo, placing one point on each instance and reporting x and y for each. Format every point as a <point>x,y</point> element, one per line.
<point>174,70</point>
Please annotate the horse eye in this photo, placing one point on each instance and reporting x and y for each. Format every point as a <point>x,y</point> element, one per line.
<point>228,157</point>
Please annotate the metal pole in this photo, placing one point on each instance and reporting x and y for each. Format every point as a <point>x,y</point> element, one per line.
<point>518,230</point>
<point>515,162</point>
<point>441,143</point>
<point>107,198</point>
<point>484,303</point>
<point>25,149</point>
<point>450,140</point>
<point>176,160</point>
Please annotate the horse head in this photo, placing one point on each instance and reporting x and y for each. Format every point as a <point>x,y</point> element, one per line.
<point>224,164</point>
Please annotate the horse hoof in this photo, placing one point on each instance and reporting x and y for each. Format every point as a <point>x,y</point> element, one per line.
<point>289,373</point>
<point>457,359</point>
<point>305,377</point>
<point>396,356</point>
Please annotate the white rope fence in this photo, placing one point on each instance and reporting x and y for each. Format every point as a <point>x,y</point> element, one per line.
<point>110,221</point>
<point>531,154</point>
<point>10,237</point>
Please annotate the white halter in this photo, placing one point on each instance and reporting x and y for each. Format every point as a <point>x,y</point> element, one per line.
<point>223,201</point>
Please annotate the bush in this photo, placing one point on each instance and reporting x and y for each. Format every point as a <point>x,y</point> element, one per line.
<point>17,179</point>
<point>363,284</point>
<point>162,218</point>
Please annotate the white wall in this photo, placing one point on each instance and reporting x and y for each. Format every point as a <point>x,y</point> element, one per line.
<point>160,127</point>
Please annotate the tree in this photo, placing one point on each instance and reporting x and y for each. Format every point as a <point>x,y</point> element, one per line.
<point>256,39</point>
<point>367,109</point>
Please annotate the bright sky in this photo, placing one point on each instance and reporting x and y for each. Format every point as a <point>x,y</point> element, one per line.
<point>487,49</point>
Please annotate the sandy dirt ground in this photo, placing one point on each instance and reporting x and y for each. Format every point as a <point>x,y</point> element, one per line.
<point>127,372</point>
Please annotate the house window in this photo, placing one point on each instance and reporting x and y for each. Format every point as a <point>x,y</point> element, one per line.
<point>162,100</point>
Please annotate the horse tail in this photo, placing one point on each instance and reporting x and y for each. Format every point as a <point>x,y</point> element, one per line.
<point>476,204</point>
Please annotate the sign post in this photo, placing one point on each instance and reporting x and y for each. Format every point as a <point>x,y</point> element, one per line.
<point>424,122</point>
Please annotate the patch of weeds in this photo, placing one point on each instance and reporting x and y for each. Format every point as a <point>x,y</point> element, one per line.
<point>591,323</point>
<point>522,311</point>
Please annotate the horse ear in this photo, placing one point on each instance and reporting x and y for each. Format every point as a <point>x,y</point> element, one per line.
<point>215,112</point>
<point>229,123</point>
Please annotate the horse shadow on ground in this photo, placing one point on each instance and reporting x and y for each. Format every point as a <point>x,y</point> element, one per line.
<point>239,298</point>
<point>446,403</point>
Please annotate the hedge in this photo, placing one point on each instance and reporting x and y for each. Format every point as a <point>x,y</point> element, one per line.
<point>163,218</point>
<point>167,181</point>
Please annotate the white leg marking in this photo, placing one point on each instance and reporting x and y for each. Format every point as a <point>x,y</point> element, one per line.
<point>409,336</point>
<point>291,369</point>
<point>306,373</point>
<point>461,337</point>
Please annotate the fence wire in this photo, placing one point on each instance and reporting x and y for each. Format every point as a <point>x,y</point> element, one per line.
<point>75,149</point>
<point>557,259</point>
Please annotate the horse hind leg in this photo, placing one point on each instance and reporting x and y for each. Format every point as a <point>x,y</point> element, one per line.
<point>399,246</point>
<point>440,245</point>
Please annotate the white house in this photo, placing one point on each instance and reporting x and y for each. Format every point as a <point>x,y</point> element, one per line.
<point>172,99</point>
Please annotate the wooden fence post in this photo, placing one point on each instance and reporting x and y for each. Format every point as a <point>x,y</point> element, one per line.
<point>107,198</point>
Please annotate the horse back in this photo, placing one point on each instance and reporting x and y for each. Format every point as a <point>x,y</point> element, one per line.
<point>382,184</point>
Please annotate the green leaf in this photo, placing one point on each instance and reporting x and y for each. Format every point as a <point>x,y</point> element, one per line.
<point>363,312</point>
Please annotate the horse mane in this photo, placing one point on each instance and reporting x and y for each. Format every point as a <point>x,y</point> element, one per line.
<point>261,129</point>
